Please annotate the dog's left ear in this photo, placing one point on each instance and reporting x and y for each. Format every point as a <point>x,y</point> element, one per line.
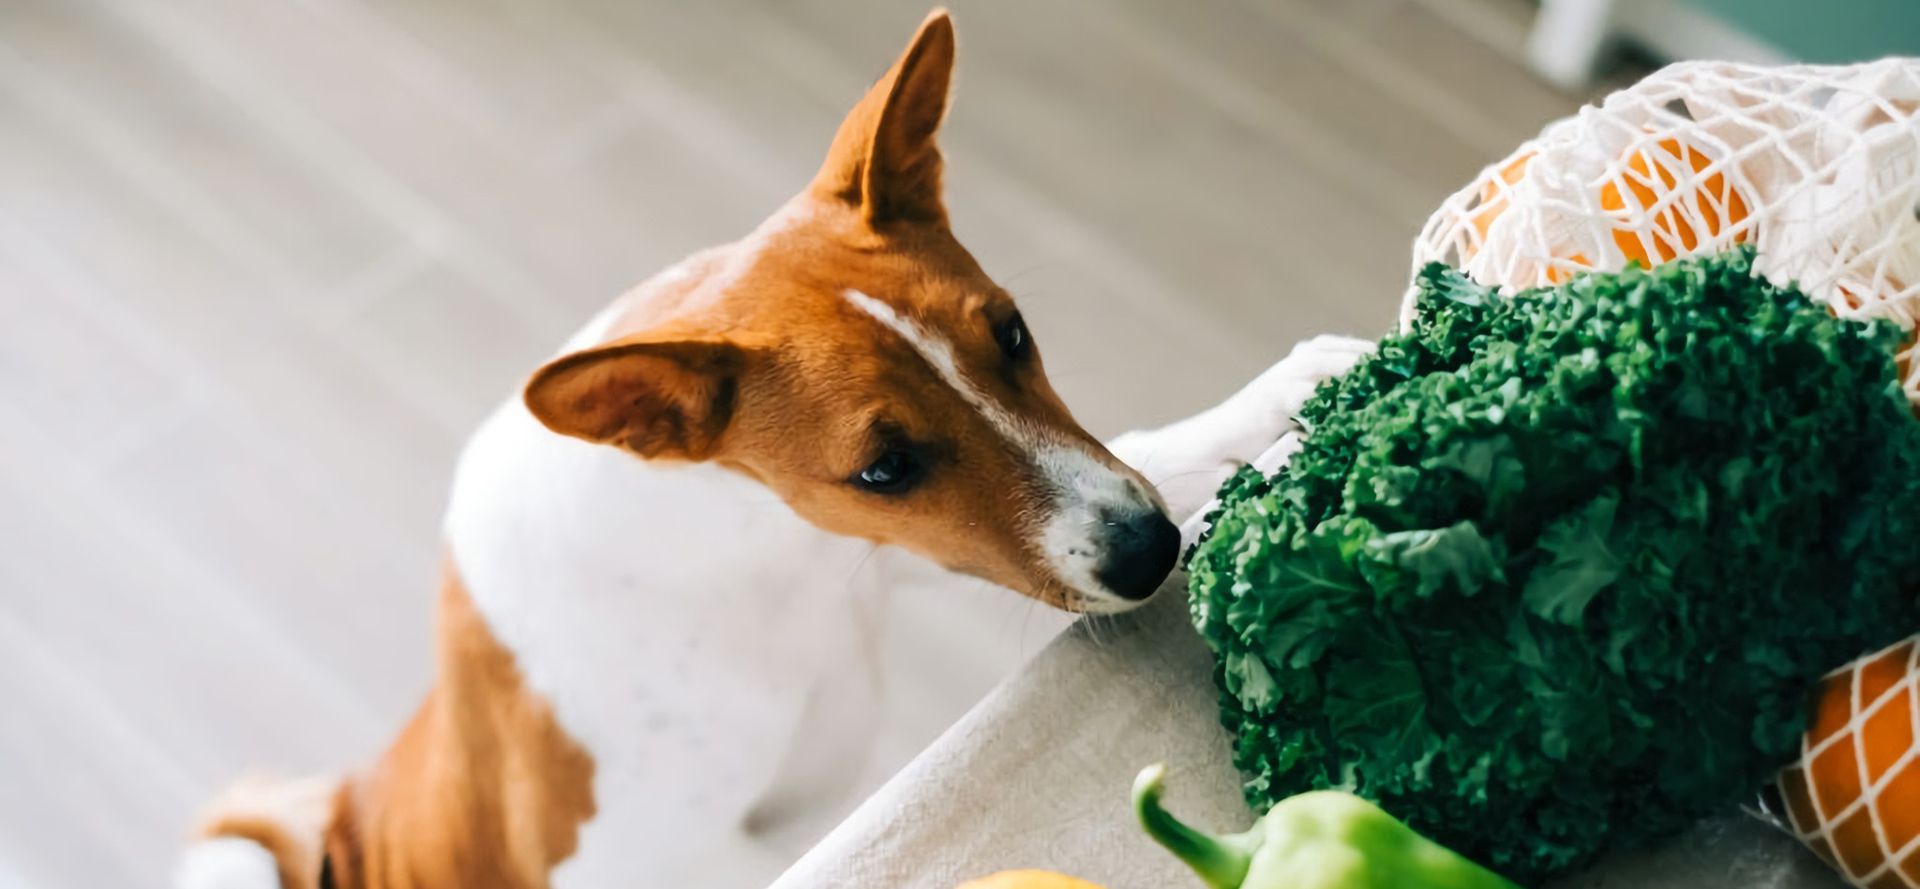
<point>884,159</point>
<point>661,400</point>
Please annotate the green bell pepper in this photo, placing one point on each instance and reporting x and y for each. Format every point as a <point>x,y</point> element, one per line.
<point>1320,840</point>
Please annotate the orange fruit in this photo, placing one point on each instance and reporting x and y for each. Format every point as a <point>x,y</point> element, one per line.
<point>1493,202</point>
<point>1493,199</point>
<point>1855,797</point>
<point>1651,181</point>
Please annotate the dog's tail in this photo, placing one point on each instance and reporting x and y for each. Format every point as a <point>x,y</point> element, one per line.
<point>262,833</point>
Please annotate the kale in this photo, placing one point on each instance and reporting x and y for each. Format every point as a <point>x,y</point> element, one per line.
<point>1555,574</point>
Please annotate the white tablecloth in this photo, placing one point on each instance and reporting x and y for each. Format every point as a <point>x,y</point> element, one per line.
<point>1038,775</point>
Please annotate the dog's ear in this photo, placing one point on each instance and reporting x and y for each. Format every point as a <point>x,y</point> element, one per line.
<point>661,400</point>
<point>884,159</point>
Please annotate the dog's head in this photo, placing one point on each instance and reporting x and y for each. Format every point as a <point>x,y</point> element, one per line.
<point>850,355</point>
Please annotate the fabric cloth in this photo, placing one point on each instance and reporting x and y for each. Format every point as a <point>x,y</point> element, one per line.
<point>1037,776</point>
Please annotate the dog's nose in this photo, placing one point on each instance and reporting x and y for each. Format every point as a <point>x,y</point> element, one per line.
<point>1140,552</point>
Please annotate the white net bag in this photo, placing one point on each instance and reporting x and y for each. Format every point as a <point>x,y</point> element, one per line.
<point>1818,167</point>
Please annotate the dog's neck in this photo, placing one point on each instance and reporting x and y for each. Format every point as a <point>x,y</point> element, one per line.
<point>547,529</point>
<point>558,539</point>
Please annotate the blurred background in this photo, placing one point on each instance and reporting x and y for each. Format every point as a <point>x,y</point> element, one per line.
<point>263,265</point>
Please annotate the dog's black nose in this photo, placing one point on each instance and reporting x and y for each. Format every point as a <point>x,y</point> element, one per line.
<point>1141,549</point>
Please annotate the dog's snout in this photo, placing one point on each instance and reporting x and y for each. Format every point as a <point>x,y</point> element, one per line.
<point>1141,548</point>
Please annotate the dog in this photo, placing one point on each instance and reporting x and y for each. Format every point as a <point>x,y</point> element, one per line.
<point>657,556</point>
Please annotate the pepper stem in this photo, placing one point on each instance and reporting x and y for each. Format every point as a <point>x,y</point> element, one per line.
<point>1220,861</point>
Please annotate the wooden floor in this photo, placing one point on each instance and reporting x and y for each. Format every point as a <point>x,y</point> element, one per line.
<point>262,265</point>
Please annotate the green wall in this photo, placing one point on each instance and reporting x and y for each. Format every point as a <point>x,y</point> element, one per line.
<point>1826,30</point>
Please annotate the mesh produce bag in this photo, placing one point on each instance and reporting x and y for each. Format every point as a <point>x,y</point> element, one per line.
<point>1818,167</point>
<point>1854,795</point>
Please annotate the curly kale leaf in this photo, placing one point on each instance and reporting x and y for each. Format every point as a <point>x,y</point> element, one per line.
<point>1553,574</point>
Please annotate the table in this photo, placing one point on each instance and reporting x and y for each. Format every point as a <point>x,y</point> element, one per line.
<point>1037,775</point>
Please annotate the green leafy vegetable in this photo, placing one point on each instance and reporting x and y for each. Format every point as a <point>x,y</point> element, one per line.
<point>1555,573</point>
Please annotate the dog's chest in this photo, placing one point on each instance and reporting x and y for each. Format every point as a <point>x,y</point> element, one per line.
<point>675,618</point>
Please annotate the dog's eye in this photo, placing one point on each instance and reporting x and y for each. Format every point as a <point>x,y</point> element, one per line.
<point>893,473</point>
<point>1015,342</point>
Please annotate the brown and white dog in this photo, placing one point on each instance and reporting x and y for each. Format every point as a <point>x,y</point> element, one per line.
<point>650,594</point>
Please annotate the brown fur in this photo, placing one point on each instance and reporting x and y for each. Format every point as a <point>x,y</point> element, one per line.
<point>483,790</point>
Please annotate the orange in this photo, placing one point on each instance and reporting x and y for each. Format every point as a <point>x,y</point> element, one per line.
<point>1651,181</point>
<point>1868,745</point>
<point>1493,199</point>
<point>1493,202</point>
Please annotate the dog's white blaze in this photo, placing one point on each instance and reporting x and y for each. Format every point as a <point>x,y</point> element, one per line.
<point>939,355</point>
<point>1085,488</point>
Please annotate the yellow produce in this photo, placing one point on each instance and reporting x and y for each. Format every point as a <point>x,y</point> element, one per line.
<point>1028,879</point>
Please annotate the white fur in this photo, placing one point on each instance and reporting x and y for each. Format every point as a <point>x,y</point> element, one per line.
<point>226,863</point>
<point>938,353</point>
<point>1187,460</point>
<point>1087,495</point>
<point>1086,489</point>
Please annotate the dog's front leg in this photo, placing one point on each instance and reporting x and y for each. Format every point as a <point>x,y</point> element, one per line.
<point>1188,459</point>
<point>829,746</point>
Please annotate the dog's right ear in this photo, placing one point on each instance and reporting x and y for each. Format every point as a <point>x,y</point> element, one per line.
<point>885,160</point>
<point>661,400</point>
